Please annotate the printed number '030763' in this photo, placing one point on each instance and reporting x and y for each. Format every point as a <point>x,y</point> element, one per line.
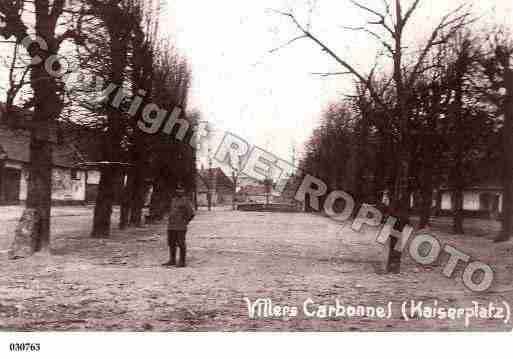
<point>24,347</point>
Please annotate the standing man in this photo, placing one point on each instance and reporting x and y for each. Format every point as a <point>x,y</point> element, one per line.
<point>180,214</point>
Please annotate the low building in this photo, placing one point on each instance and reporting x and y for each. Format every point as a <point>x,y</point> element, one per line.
<point>217,184</point>
<point>70,185</point>
<point>244,180</point>
<point>254,194</point>
<point>481,199</point>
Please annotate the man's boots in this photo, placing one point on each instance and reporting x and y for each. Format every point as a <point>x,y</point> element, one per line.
<point>181,262</point>
<point>172,255</point>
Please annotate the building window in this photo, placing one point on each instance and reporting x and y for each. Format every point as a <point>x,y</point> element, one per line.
<point>489,202</point>
<point>485,200</point>
<point>75,175</point>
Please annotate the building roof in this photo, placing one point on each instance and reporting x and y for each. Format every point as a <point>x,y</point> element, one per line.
<point>486,185</point>
<point>70,144</point>
<point>217,176</point>
<point>17,146</point>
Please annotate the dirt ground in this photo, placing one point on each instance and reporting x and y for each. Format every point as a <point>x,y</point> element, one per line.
<point>118,284</point>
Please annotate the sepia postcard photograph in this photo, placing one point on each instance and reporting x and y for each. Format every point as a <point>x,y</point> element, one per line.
<point>255,166</point>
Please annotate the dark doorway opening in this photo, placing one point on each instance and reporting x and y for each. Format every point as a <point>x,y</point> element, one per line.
<point>10,188</point>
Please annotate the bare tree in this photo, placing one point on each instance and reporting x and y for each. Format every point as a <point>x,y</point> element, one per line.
<point>142,63</point>
<point>460,69</point>
<point>499,72</point>
<point>172,158</point>
<point>394,23</point>
<point>118,19</point>
<point>47,96</point>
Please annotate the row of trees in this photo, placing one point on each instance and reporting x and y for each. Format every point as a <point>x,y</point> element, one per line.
<point>114,50</point>
<point>438,117</point>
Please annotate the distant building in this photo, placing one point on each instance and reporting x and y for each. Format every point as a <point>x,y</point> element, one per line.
<point>482,199</point>
<point>252,193</point>
<point>217,183</point>
<point>243,181</point>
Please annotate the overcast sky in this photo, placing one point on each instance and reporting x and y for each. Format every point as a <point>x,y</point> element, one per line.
<point>271,99</point>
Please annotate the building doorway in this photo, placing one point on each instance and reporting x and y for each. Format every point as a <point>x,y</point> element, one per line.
<point>10,188</point>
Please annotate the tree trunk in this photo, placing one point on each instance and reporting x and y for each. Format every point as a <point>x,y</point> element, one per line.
<point>108,179</point>
<point>103,206</point>
<point>380,170</point>
<point>402,191</point>
<point>458,172</point>
<point>138,196</point>
<point>125,205</point>
<point>362,134</point>
<point>38,205</point>
<point>47,108</point>
<point>39,195</point>
<point>427,199</point>
<point>507,138</point>
<point>438,208</point>
<point>507,210</point>
<point>427,186</point>
<point>112,141</point>
<point>401,205</point>
<point>157,201</point>
<point>458,182</point>
<point>457,196</point>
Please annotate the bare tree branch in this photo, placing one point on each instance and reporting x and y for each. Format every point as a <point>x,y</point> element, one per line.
<point>350,69</point>
<point>327,74</point>
<point>458,22</point>
<point>382,18</point>
<point>287,43</point>
<point>410,11</point>
<point>373,34</point>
